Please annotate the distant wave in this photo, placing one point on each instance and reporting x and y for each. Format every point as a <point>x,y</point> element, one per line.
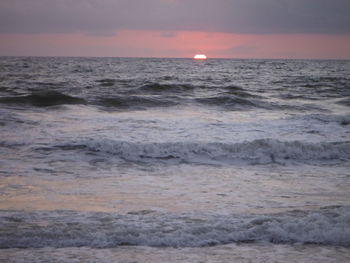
<point>166,88</point>
<point>183,88</point>
<point>262,151</point>
<point>229,97</point>
<point>135,102</point>
<point>238,100</point>
<point>327,226</point>
<point>153,95</point>
<point>226,102</point>
<point>43,99</point>
<point>345,102</point>
<point>106,82</point>
<point>166,95</point>
<point>233,102</point>
<point>322,118</point>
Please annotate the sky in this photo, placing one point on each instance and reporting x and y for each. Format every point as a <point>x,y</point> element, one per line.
<point>315,29</point>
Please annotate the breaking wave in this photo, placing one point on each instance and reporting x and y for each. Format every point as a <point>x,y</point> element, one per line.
<point>262,151</point>
<point>327,226</point>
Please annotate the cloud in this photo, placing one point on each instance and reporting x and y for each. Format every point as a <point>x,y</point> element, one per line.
<point>233,16</point>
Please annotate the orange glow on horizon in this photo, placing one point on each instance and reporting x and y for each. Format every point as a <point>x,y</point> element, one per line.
<point>200,56</point>
<point>184,44</point>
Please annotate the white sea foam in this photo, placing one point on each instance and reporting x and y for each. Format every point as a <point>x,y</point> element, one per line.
<point>328,226</point>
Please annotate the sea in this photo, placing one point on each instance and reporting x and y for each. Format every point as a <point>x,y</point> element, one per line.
<point>174,160</point>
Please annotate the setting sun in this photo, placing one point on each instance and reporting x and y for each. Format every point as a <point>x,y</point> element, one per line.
<point>200,56</point>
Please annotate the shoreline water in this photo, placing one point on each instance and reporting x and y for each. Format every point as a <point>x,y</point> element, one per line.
<point>226,253</point>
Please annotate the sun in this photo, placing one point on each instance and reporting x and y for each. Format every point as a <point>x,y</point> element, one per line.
<point>200,56</point>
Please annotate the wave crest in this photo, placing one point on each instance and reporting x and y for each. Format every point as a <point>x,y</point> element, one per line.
<point>327,226</point>
<point>262,151</point>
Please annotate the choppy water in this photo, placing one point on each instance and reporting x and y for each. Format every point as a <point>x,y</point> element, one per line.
<point>121,154</point>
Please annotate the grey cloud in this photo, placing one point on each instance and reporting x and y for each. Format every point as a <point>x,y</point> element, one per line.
<point>236,16</point>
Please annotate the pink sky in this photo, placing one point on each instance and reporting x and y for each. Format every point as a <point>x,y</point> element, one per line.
<point>315,29</point>
<point>147,43</point>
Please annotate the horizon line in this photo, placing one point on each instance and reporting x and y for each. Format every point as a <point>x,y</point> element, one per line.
<point>145,57</point>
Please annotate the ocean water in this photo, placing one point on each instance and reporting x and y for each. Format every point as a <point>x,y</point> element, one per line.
<point>174,160</point>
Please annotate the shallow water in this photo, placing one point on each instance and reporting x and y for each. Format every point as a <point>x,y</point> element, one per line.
<point>226,253</point>
<point>154,160</point>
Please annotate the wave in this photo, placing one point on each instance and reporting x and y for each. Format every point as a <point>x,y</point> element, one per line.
<point>342,120</point>
<point>106,82</point>
<point>160,88</point>
<point>183,87</point>
<point>166,88</point>
<point>262,151</point>
<point>155,95</point>
<point>240,100</point>
<point>227,101</point>
<point>345,102</point>
<point>135,102</point>
<point>232,102</point>
<point>326,226</point>
<point>43,99</point>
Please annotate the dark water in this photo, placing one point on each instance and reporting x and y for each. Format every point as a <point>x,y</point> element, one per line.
<point>110,152</point>
<point>124,84</point>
